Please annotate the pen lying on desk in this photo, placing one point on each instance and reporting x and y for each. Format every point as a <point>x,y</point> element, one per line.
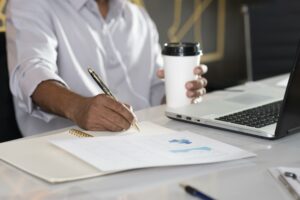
<point>196,193</point>
<point>105,89</point>
<point>288,186</point>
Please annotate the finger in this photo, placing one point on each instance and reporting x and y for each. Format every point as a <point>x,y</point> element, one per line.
<point>192,94</point>
<point>196,100</point>
<point>104,125</point>
<point>196,94</point>
<point>200,70</point>
<point>196,84</point>
<point>120,109</point>
<point>95,123</point>
<point>160,73</point>
<point>116,121</point>
<point>202,91</point>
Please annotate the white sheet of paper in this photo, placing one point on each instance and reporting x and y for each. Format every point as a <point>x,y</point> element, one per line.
<point>139,151</point>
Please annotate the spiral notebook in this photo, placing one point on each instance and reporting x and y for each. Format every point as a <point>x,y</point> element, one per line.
<point>38,157</point>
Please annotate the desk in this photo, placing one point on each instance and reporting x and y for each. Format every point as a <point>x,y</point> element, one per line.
<point>242,179</point>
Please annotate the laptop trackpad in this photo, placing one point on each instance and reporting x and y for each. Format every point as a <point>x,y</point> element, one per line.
<point>248,99</point>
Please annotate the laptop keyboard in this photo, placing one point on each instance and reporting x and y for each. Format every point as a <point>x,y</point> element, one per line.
<point>255,117</point>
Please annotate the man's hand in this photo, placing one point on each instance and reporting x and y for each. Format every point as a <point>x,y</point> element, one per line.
<point>103,113</point>
<point>99,113</point>
<point>195,88</point>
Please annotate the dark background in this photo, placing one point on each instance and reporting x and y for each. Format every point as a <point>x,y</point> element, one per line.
<point>274,33</point>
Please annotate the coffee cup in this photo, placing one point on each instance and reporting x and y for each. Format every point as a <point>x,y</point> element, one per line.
<point>179,59</point>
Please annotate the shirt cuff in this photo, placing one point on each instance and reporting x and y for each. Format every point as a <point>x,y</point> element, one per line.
<point>29,82</point>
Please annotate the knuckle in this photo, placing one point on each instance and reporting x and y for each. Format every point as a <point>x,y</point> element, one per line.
<point>204,68</point>
<point>202,91</point>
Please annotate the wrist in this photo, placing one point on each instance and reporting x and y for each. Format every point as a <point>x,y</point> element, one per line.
<point>74,107</point>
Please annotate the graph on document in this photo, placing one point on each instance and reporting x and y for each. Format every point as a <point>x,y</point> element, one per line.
<point>199,149</point>
<point>189,148</point>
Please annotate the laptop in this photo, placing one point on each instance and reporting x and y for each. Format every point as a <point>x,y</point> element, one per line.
<point>259,110</point>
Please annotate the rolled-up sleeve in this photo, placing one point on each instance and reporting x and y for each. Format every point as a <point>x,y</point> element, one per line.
<point>32,52</point>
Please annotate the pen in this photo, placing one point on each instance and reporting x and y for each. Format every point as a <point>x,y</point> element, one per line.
<point>291,175</point>
<point>196,193</point>
<point>105,89</point>
<point>292,191</point>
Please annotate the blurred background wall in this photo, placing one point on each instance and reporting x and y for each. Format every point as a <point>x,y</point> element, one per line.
<point>241,39</point>
<point>8,126</point>
<point>216,24</point>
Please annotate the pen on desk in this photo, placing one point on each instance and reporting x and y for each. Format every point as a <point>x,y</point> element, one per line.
<point>196,193</point>
<point>105,89</point>
<point>289,187</point>
<point>292,175</point>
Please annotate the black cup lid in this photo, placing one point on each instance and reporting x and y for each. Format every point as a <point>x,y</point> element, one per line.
<point>182,49</point>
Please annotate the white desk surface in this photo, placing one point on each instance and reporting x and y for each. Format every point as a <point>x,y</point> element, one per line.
<point>243,179</point>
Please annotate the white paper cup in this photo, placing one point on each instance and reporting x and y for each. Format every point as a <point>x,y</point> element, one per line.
<point>180,59</point>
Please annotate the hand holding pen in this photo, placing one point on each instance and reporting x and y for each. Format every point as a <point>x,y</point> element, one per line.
<point>116,108</point>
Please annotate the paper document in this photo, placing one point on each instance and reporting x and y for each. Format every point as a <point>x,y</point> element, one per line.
<point>140,151</point>
<point>40,158</point>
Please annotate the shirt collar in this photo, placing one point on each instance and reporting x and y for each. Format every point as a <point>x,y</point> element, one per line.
<point>78,4</point>
<point>116,7</point>
<point>115,4</point>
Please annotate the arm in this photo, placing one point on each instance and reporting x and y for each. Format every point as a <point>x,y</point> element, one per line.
<point>34,75</point>
<point>92,113</point>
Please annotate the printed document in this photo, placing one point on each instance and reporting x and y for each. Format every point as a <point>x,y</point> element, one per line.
<point>114,153</point>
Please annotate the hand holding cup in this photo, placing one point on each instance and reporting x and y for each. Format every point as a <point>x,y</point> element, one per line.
<point>182,73</point>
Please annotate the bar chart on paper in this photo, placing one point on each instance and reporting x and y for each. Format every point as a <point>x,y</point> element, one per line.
<point>114,153</point>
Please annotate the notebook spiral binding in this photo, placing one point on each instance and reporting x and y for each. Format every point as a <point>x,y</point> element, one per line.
<point>79,133</point>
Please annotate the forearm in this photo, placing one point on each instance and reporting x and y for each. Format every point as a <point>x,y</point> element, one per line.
<point>53,97</point>
<point>91,113</point>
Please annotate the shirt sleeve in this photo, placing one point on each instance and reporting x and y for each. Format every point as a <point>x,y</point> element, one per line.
<point>31,50</point>
<point>157,90</point>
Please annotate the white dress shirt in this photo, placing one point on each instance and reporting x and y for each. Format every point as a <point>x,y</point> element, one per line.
<point>60,39</point>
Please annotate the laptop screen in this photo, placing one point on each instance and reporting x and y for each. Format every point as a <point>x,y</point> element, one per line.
<point>289,120</point>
